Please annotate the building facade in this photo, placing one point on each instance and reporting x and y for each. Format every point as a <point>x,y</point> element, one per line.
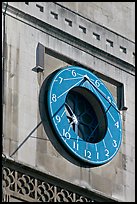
<point>38,39</point>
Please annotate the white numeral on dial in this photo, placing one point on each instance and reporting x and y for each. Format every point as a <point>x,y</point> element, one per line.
<point>66,134</point>
<point>109,99</point>
<point>75,145</point>
<point>107,152</point>
<point>58,118</point>
<point>114,143</point>
<point>54,97</point>
<point>97,83</point>
<point>97,155</point>
<point>74,73</point>
<point>117,124</point>
<point>61,79</point>
<point>87,154</point>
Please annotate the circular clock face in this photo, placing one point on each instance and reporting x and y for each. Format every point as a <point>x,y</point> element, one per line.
<point>84,115</point>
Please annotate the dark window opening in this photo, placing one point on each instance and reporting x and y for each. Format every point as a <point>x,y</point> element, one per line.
<point>40,7</point>
<point>69,22</point>
<point>96,36</point>
<point>123,49</point>
<point>83,29</point>
<point>55,15</point>
<point>109,42</point>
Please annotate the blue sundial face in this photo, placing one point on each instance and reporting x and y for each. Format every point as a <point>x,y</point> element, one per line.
<point>84,115</point>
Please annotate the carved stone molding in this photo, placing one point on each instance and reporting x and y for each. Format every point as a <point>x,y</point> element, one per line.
<point>72,28</point>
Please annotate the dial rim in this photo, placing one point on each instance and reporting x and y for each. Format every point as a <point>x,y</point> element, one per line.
<point>97,161</point>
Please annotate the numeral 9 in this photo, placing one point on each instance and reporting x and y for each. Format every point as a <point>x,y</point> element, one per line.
<point>58,118</point>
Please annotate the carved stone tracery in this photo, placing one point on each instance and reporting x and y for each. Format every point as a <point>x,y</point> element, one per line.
<point>20,185</point>
<point>21,182</point>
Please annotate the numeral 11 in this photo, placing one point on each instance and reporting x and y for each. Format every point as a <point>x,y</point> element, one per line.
<point>75,145</point>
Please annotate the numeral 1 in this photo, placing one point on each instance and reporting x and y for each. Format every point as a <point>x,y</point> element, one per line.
<point>97,155</point>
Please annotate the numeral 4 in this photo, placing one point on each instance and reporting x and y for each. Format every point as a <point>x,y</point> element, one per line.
<point>117,124</point>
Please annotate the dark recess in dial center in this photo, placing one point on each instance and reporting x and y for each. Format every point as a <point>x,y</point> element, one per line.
<point>85,115</point>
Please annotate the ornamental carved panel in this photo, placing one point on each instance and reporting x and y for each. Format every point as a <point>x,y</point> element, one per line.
<point>28,188</point>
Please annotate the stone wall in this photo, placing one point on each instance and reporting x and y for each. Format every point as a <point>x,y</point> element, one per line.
<point>116,16</point>
<point>68,38</point>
